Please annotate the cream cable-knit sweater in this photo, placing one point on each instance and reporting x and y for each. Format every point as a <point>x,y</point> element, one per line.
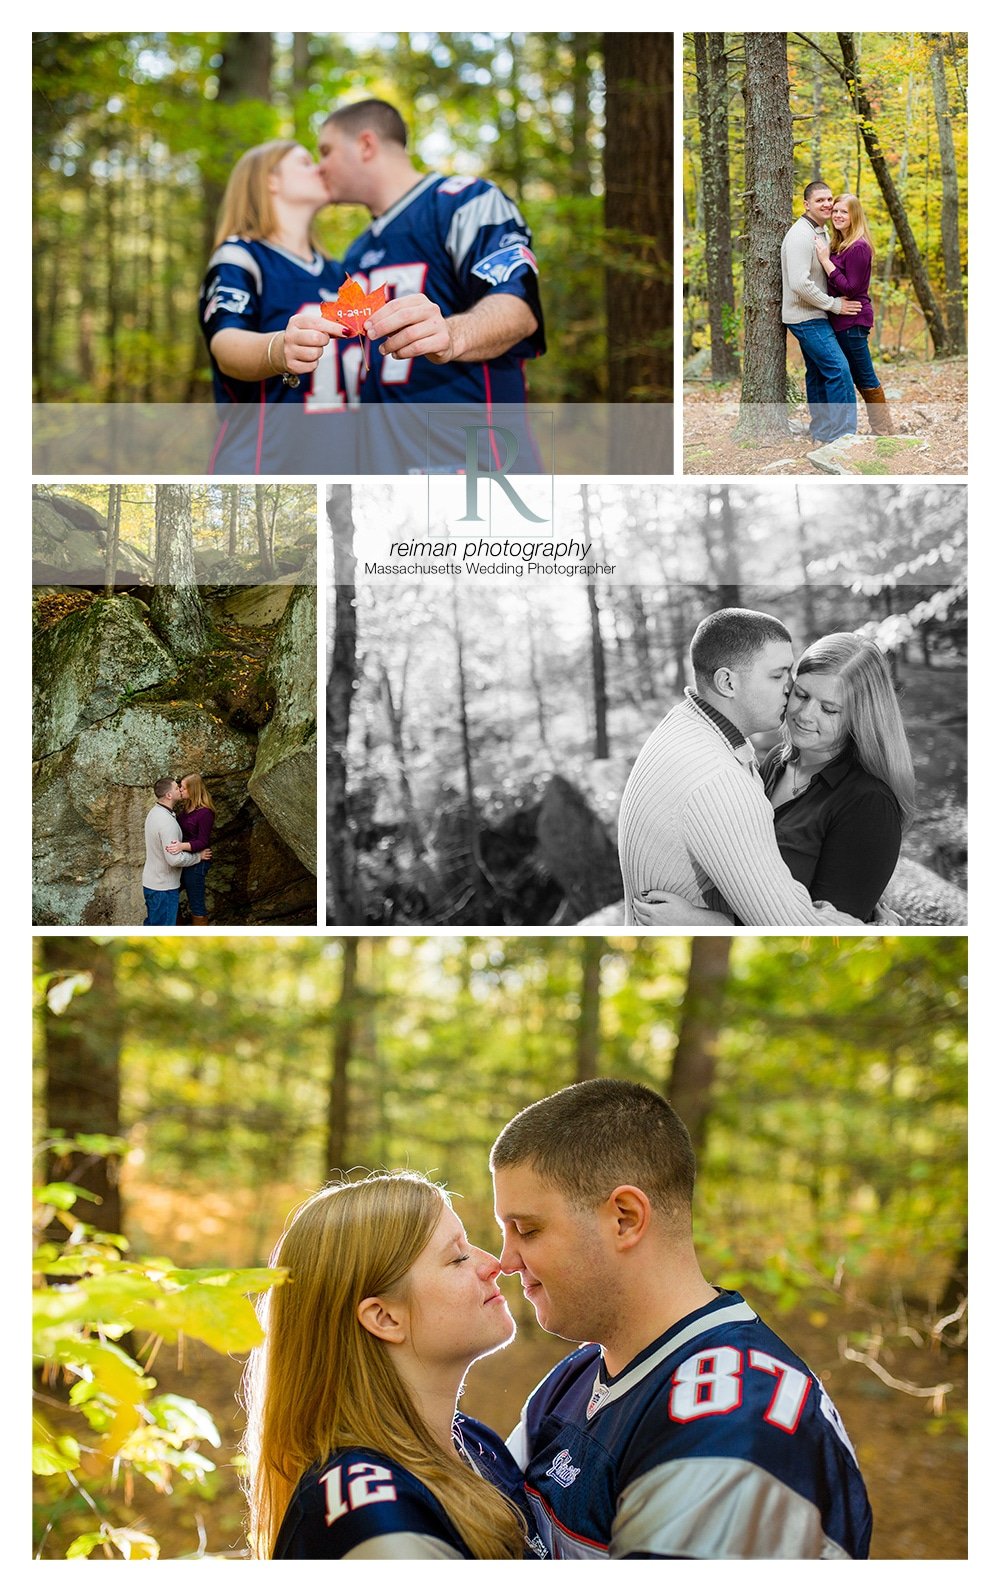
<point>694,816</point>
<point>162,868</point>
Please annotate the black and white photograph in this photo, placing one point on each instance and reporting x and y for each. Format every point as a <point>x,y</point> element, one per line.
<point>759,717</point>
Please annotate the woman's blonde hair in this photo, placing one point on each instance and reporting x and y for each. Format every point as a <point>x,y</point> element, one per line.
<point>857,225</point>
<point>198,794</point>
<point>320,1381</point>
<point>873,723</point>
<point>247,209</point>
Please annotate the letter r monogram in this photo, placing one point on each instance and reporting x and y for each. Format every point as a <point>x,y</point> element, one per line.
<point>473,472</point>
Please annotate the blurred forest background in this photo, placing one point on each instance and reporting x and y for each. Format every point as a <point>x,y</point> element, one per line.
<point>880,115</point>
<point>480,734</point>
<point>190,1093</point>
<point>135,135</point>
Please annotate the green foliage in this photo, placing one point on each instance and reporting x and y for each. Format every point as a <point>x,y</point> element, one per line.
<point>135,135</point>
<point>827,143</point>
<point>88,1298</point>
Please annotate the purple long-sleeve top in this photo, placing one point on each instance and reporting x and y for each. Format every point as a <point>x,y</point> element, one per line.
<point>849,279</point>
<point>196,827</point>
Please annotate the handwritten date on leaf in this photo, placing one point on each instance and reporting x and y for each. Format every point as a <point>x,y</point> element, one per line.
<point>353,307</point>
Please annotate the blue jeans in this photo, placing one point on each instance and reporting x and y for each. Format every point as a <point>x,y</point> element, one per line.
<point>193,882</point>
<point>829,386</point>
<point>161,906</point>
<point>854,343</point>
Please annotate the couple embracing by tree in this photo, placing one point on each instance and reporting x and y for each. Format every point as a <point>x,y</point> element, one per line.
<point>825,304</point>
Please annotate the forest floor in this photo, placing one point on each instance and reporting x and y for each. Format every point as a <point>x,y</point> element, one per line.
<point>927,400</point>
<point>914,1461</point>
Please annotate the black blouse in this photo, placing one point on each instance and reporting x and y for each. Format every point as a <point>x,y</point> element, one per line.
<point>840,837</point>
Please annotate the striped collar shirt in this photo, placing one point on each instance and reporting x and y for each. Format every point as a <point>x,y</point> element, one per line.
<point>742,748</point>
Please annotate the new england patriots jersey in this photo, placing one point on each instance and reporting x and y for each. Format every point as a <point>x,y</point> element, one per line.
<point>360,1505</point>
<point>456,239</point>
<point>255,287</point>
<point>717,1442</point>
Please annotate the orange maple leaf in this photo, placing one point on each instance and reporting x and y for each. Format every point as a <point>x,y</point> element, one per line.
<point>353,306</point>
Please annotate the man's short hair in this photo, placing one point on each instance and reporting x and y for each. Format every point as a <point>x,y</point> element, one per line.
<point>810,189</point>
<point>376,116</point>
<point>732,637</point>
<point>591,1137</point>
<point>163,785</point>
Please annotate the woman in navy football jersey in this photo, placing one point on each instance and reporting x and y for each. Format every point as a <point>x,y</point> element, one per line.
<point>259,306</point>
<point>354,1447</point>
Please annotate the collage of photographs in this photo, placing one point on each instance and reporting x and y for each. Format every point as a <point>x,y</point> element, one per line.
<point>499,859</point>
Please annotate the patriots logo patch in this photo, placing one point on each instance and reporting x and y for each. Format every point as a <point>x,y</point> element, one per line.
<point>455,185</point>
<point>233,301</point>
<point>371,257</point>
<point>562,1471</point>
<point>502,264</point>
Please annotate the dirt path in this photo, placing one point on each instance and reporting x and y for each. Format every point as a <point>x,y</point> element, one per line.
<point>928,402</point>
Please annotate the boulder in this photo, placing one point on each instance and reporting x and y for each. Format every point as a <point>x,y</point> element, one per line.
<point>699,364</point>
<point>918,895</point>
<point>86,665</point>
<point>253,605</point>
<point>88,831</point>
<point>283,783</point>
<point>862,454</point>
<point>69,537</point>
<point>922,897</point>
<point>80,514</point>
<point>576,850</point>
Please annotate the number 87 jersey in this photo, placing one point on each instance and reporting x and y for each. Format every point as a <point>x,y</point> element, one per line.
<point>717,1442</point>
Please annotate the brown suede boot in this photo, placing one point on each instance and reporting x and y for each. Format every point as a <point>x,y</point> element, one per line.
<point>196,920</point>
<point>879,416</point>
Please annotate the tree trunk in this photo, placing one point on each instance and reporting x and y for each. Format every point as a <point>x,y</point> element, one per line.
<point>767,217</point>
<point>951,248</point>
<point>471,810</point>
<point>588,1026</point>
<point>394,717</point>
<point>82,1078</point>
<point>808,606</point>
<point>111,542</point>
<point>730,586</point>
<point>244,75</point>
<point>638,218</point>
<point>640,643</point>
<point>890,248</point>
<point>301,76</point>
<point>535,676</point>
<point>263,549</point>
<point>342,906</point>
<point>916,270</point>
<point>597,660</point>
<point>579,161</point>
<point>175,606</point>
<point>234,518</point>
<point>338,1104</point>
<point>693,1068</point>
<point>713,122</point>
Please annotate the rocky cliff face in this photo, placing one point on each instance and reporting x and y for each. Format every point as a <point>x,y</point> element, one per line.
<point>114,710</point>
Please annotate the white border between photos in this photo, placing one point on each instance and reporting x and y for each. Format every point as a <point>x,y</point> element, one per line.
<point>911,1575</point>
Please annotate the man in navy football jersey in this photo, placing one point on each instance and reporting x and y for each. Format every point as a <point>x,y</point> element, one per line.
<point>455,254</point>
<point>685,1428</point>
